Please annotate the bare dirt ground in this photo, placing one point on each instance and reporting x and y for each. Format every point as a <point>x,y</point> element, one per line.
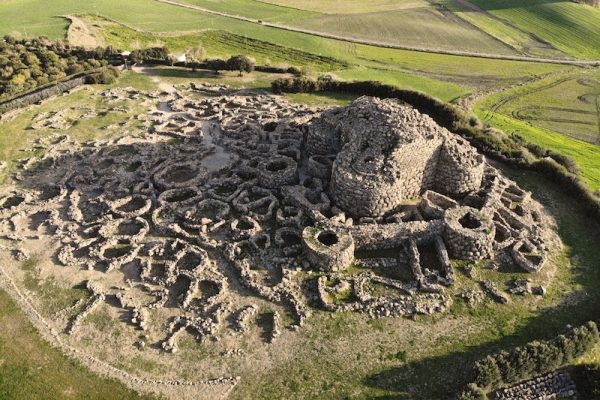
<point>162,85</point>
<point>82,34</point>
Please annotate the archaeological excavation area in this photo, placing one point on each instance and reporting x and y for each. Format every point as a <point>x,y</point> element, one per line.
<point>234,222</point>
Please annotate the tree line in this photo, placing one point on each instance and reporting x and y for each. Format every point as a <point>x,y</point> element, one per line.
<point>26,64</point>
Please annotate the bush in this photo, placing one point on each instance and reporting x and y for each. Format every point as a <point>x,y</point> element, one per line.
<point>216,64</point>
<point>105,76</point>
<point>473,392</point>
<point>294,71</point>
<point>241,63</point>
<point>270,69</point>
<point>534,358</point>
<point>487,372</point>
<point>28,64</point>
<point>150,54</point>
<point>565,161</point>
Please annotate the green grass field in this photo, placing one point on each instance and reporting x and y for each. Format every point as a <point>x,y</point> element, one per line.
<point>570,27</point>
<point>522,41</point>
<point>567,104</point>
<point>421,25</point>
<point>346,6</point>
<point>445,77</point>
<point>256,10</point>
<point>560,113</point>
<point>31,369</point>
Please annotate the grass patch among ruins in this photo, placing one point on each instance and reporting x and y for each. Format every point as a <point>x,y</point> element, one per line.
<point>74,105</point>
<point>32,369</point>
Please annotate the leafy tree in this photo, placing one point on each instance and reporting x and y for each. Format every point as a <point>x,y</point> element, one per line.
<point>487,372</point>
<point>216,64</point>
<point>241,63</point>
<point>195,55</point>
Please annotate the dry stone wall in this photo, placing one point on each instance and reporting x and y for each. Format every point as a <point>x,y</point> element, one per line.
<point>389,153</point>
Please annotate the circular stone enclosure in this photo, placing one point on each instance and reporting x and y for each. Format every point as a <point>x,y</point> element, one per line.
<point>328,249</point>
<point>278,171</point>
<point>469,233</point>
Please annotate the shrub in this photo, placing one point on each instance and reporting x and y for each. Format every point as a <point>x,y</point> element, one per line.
<point>473,392</point>
<point>150,54</point>
<point>565,161</point>
<point>487,372</point>
<point>241,63</point>
<point>105,76</point>
<point>27,64</point>
<point>538,151</point>
<point>534,358</point>
<point>216,64</point>
<point>294,71</point>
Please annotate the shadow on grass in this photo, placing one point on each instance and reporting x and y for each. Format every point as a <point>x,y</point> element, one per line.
<point>443,377</point>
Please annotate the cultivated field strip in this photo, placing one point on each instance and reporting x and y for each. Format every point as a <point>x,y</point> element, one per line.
<point>385,44</point>
<point>565,117</point>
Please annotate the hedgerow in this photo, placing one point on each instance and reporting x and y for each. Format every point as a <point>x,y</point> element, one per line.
<point>531,359</point>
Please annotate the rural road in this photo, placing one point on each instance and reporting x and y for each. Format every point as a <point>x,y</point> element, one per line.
<point>580,63</point>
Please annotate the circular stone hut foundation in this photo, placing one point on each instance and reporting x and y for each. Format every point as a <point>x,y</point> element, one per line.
<point>328,250</point>
<point>469,233</point>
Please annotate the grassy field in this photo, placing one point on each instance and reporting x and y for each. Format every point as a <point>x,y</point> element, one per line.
<point>570,27</point>
<point>522,41</point>
<point>346,6</point>
<point>217,43</point>
<point>445,77</point>
<point>567,104</point>
<point>585,154</point>
<point>560,113</point>
<point>256,10</point>
<point>31,369</point>
<point>166,19</point>
<point>421,25</point>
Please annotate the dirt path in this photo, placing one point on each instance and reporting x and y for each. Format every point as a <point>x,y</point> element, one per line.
<point>595,63</point>
<point>81,34</point>
<point>162,85</point>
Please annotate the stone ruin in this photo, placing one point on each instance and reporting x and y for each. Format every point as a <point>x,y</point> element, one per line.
<point>553,385</point>
<point>357,208</point>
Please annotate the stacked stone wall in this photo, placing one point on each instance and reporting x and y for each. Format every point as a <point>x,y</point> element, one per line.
<point>365,190</point>
<point>390,236</point>
<point>465,241</point>
<point>459,170</point>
